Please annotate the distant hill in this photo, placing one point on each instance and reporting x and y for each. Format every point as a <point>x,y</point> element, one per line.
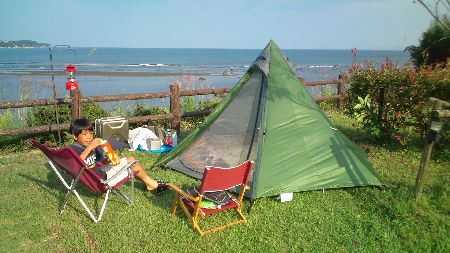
<point>22,43</point>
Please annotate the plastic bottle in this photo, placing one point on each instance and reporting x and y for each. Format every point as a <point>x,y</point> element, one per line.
<point>174,138</point>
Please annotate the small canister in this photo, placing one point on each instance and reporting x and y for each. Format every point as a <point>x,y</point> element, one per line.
<point>174,138</point>
<point>170,138</point>
<point>110,153</point>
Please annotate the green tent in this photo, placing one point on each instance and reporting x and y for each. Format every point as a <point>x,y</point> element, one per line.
<point>269,117</point>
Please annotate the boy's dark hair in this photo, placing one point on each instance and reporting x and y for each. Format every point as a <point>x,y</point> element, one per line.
<point>77,126</point>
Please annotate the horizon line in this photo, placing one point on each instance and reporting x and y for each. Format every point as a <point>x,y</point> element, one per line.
<point>216,48</point>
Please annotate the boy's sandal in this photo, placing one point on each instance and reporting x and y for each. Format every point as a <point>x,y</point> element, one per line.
<point>162,187</point>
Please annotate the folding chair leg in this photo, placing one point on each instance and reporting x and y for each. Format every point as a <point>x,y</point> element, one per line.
<point>132,186</point>
<point>64,202</point>
<point>175,204</point>
<point>129,201</point>
<point>69,188</point>
<point>239,212</point>
<point>72,163</point>
<point>96,220</point>
<point>196,226</point>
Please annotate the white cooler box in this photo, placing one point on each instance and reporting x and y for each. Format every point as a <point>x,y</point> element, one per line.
<point>112,127</point>
<point>153,144</point>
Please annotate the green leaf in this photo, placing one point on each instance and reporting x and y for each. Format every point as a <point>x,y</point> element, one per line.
<point>361,100</point>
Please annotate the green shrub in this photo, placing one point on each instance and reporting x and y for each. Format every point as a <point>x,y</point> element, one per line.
<point>366,115</point>
<point>188,103</point>
<point>45,115</point>
<point>190,123</point>
<point>142,110</point>
<point>93,111</point>
<point>6,119</point>
<point>406,94</point>
<point>118,109</point>
<point>209,104</point>
<point>326,104</point>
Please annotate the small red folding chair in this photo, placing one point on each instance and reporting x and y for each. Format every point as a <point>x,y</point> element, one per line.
<point>215,179</point>
<point>68,161</point>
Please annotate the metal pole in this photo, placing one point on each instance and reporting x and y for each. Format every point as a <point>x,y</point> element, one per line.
<point>54,97</point>
<point>54,88</point>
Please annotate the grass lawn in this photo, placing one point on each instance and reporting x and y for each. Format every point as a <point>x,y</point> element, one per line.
<point>365,219</point>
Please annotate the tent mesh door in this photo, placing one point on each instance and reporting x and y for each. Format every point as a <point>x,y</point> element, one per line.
<point>228,140</point>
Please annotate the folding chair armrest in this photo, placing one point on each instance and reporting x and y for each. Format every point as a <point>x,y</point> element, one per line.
<point>126,167</point>
<point>183,193</point>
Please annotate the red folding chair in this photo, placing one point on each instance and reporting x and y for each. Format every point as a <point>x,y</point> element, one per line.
<point>68,161</point>
<point>214,179</point>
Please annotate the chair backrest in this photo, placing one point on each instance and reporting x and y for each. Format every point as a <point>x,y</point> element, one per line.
<point>219,179</point>
<point>70,162</point>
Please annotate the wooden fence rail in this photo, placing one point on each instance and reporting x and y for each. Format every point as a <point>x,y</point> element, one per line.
<point>76,100</point>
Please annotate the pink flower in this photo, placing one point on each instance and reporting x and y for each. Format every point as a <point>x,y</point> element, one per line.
<point>354,52</point>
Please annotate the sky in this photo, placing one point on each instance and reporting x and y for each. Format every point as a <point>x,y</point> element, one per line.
<point>234,24</point>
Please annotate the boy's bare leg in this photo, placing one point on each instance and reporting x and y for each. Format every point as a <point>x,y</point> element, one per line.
<point>150,183</point>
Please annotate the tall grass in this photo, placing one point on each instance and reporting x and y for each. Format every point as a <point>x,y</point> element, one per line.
<point>30,90</point>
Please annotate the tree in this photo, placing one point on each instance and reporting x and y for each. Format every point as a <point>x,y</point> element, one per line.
<point>434,46</point>
<point>436,11</point>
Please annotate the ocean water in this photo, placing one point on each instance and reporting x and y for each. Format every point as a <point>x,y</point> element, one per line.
<point>208,66</point>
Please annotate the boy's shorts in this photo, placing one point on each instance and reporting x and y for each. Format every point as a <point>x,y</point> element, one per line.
<point>111,170</point>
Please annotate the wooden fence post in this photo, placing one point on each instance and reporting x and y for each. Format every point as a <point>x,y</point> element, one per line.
<point>341,92</point>
<point>426,155</point>
<point>75,104</point>
<point>175,107</point>
<point>441,110</point>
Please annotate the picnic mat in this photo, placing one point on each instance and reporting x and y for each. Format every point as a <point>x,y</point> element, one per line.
<point>164,148</point>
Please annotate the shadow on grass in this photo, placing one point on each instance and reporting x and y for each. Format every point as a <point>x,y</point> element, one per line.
<point>387,198</point>
<point>165,202</point>
<point>165,199</point>
<point>397,209</point>
<point>437,194</point>
<point>45,185</point>
<point>381,200</point>
<point>15,143</point>
<point>386,206</point>
<point>366,141</point>
<point>53,184</point>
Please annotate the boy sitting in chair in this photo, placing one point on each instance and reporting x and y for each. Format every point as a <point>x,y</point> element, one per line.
<point>86,146</point>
